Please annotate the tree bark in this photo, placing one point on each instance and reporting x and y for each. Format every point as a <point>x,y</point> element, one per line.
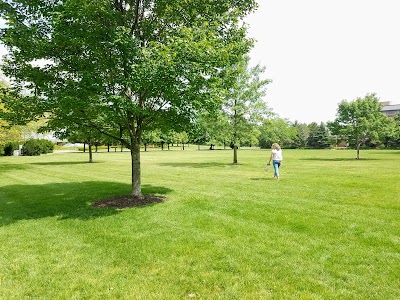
<point>135,158</point>
<point>90,153</point>
<point>235,154</point>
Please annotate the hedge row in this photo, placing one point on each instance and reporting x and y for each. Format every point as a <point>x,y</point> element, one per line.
<point>30,147</point>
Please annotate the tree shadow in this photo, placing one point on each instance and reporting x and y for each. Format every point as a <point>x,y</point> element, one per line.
<point>13,167</point>
<point>25,166</point>
<point>62,200</point>
<point>198,165</point>
<point>388,152</point>
<point>63,163</point>
<point>336,159</point>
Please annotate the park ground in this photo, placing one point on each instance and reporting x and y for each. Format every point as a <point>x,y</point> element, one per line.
<point>329,229</point>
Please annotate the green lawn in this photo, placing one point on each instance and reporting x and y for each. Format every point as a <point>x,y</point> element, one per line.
<point>329,229</point>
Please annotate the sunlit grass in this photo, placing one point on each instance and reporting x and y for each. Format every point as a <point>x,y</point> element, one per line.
<point>329,229</point>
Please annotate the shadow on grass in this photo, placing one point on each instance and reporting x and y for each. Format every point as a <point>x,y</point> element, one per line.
<point>13,167</point>
<point>267,178</point>
<point>388,152</point>
<point>336,159</point>
<point>25,166</point>
<point>62,200</point>
<point>63,163</point>
<point>197,165</point>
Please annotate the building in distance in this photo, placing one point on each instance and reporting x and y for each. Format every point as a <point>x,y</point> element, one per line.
<point>389,109</point>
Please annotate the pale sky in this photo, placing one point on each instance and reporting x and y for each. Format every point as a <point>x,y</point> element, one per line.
<point>319,52</point>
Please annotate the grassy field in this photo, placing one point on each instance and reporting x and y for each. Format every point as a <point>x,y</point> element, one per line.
<point>329,229</point>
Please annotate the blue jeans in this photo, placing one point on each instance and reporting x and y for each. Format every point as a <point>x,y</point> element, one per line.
<point>276,164</point>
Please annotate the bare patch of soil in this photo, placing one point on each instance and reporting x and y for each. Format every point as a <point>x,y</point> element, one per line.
<point>126,201</point>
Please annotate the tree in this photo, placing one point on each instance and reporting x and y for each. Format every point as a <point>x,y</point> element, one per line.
<point>360,120</point>
<point>392,139</point>
<point>126,64</point>
<point>7,133</point>
<point>183,138</point>
<point>302,134</point>
<point>150,137</point>
<point>76,134</point>
<point>244,105</point>
<point>277,130</point>
<point>198,133</point>
<point>319,137</point>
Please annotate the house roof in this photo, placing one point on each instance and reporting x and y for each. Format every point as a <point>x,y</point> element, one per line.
<point>391,107</point>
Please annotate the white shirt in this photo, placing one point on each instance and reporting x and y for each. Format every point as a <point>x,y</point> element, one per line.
<point>277,154</point>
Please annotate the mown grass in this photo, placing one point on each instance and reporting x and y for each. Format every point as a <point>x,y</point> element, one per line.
<point>329,229</point>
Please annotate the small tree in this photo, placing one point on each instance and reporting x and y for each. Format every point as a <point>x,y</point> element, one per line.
<point>244,105</point>
<point>361,119</point>
<point>150,137</point>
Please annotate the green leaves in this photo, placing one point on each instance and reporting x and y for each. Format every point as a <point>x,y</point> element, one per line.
<point>123,65</point>
<point>361,119</point>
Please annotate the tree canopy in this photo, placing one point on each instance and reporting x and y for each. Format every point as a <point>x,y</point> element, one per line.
<point>121,66</point>
<point>244,106</point>
<point>360,119</point>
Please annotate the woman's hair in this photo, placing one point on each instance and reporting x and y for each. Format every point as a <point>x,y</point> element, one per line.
<point>276,146</point>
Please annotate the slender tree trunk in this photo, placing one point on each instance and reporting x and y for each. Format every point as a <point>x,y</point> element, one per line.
<point>90,153</point>
<point>358,143</point>
<point>235,154</point>
<point>84,147</point>
<point>135,157</point>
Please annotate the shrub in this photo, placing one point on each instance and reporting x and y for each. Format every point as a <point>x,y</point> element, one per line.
<point>10,147</point>
<point>31,147</point>
<point>46,146</point>
<point>36,147</point>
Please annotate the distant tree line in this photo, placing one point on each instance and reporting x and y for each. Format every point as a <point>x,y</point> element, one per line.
<point>255,128</point>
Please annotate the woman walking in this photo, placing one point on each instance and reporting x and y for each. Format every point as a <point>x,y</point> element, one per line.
<point>276,157</point>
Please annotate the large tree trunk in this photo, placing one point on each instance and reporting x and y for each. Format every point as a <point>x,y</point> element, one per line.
<point>135,158</point>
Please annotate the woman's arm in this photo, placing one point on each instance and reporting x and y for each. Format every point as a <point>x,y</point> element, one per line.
<point>270,158</point>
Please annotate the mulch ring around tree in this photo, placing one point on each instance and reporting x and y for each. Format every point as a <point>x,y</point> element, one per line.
<point>126,201</point>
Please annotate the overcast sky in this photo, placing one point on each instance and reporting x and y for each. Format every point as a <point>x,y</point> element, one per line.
<point>319,52</point>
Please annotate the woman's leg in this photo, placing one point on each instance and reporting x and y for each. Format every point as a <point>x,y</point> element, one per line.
<point>276,165</point>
